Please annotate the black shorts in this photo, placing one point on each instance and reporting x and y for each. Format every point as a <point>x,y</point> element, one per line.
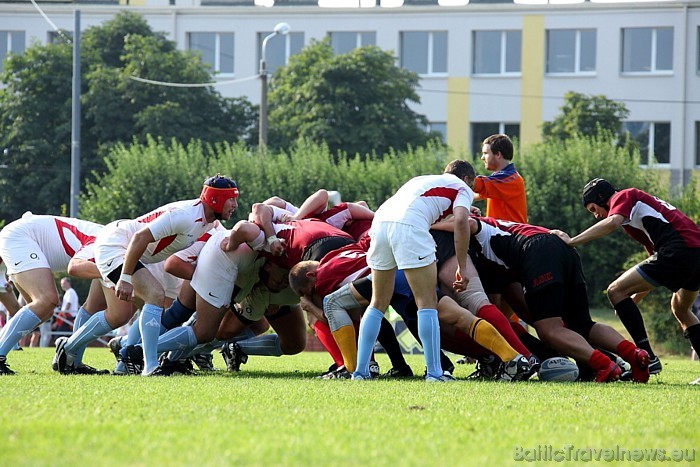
<point>494,277</point>
<point>674,268</point>
<point>114,275</point>
<point>547,260</point>
<point>444,246</point>
<point>566,301</point>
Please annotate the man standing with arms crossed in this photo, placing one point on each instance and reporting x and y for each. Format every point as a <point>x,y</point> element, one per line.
<point>401,240</point>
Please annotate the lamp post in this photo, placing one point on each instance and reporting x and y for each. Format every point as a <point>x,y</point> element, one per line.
<point>280,28</point>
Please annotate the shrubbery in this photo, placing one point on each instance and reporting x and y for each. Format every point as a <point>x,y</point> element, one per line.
<point>142,177</point>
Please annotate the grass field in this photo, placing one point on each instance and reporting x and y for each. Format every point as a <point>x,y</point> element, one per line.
<point>275,413</point>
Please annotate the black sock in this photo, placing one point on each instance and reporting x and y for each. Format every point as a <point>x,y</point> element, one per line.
<point>387,338</point>
<point>175,315</point>
<point>692,333</point>
<point>631,318</point>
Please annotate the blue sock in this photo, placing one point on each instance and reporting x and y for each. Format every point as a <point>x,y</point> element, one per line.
<point>429,333</point>
<point>23,323</point>
<point>206,347</point>
<point>181,338</point>
<point>149,325</point>
<point>267,344</point>
<point>80,318</point>
<point>369,330</point>
<point>133,335</point>
<point>175,315</point>
<point>96,326</point>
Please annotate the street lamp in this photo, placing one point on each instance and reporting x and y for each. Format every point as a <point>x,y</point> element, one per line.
<point>280,28</point>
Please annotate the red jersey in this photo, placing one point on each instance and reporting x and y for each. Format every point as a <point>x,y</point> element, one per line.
<point>339,216</point>
<point>341,267</point>
<point>653,222</point>
<point>298,235</point>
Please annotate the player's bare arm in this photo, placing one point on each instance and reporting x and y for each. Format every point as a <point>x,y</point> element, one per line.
<point>137,246</point>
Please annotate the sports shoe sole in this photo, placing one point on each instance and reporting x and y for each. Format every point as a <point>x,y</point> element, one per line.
<point>59,358</point>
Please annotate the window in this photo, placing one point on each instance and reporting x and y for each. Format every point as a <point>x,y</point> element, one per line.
<point>497,52</point>
<point>216,49</point>
<point>481,131</point>
<point>344,42</point>
<point>280,48</point>
<point>654,139</point>
<point>10,42</point>
<point>571,50</point>
<point>437,127</point>
<point>647,50</point>
<point>424,52</point>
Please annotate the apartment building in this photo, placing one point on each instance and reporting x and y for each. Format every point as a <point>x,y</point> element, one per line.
<point>484,67</point>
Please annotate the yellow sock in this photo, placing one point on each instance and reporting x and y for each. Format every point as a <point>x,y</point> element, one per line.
<point>345,338</point>
<point>486,335</point>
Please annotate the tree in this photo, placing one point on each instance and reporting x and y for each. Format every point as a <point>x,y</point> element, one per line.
<point>585,115</point>
<point>356,102</point>
<point>35,109</point>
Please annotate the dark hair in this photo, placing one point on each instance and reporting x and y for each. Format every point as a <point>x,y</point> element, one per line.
<point>597,191</point>
<point>219,181</point>
<point>500,143</point>
<point>460,169</point>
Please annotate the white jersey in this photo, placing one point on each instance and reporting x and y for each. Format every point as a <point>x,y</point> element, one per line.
<point>424,200</point>
<point>44,242</point>
<point>174,227</point>
<point>70,302</point>
<point>191,253</point>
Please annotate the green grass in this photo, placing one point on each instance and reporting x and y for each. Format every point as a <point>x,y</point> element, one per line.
<point>275,413</point>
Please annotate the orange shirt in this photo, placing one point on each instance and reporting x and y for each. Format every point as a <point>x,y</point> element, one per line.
<point>504,192</point>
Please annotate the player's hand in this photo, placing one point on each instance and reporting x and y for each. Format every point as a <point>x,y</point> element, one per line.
<point>563,235</point>
<point>285,217</point>
<point>124,291</point>
<point>460,283</point>
<point>277,247</point>
<point>475,211</point>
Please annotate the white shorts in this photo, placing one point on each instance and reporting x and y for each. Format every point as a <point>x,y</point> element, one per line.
<point>22,254</point>
<point>402,246</point>
<point>216,272</point>
<point>110,249</point>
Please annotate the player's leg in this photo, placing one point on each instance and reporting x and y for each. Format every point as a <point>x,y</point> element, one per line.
<point>423,281</point>
<point>39,287</point>
<point>147,287</point>
<point>620,293</point>
<point>382,290</point>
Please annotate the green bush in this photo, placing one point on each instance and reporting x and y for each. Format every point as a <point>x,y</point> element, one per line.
<point>142,177</point>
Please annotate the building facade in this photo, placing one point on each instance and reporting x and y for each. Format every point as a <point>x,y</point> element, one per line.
<point>484,67</point>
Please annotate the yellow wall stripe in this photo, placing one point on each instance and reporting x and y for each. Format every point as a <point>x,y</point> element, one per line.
<point>458,114</point>
<point>533,37</point>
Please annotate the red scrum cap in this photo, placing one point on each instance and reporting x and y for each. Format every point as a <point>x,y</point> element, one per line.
<point>217,190</point>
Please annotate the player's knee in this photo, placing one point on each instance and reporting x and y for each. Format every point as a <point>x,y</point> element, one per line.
<point>616,292</point>
<point>293,346</point>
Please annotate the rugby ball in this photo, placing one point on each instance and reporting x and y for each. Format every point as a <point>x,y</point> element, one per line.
<point>558,369</point>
